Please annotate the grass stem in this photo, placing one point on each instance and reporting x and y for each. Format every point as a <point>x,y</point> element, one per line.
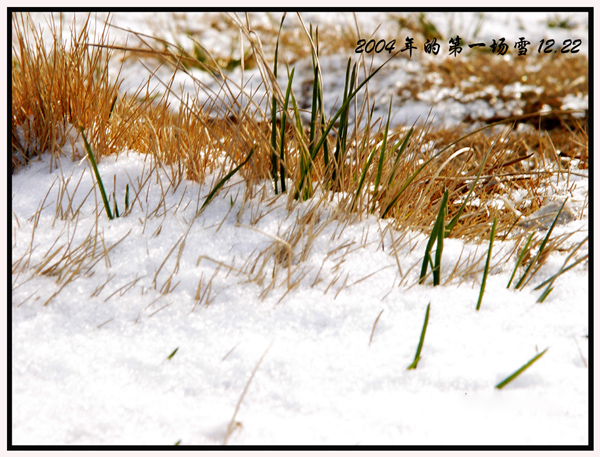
<point>413,365</point>
<point>97,173</point>
<point>512,377</point>
<point>487,265</point>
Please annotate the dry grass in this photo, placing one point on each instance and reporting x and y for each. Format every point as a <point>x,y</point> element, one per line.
<point>56,91</point>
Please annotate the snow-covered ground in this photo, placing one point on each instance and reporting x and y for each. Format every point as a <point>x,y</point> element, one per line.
<point>160,327</point>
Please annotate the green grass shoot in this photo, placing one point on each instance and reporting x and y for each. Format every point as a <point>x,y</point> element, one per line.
<point>340,148</point>
<point>282,169</point>
<point>274,114</point>
<point>520,259</point>
<point>305,184</point>
<point>512,377</point>
<point>324,132</point>
<point>362,177</point>
<point>220,184</point>
<point>400,146</point>
<point>440,239</point>
<point>413,365</point>
<point>172,354</point>
<point>487,265</point>
<point>274,134</point>
<point>545,294</point>
<point>115,207</point>
<point>97,173</point>
<point>564,268</point>
<point>437,234</point>
<point>381,158</point>
<point>454,220</point>
<point>317,97</point>
<point>521,282</point>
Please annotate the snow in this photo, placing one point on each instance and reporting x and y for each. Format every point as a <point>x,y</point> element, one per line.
<point>90,356</point>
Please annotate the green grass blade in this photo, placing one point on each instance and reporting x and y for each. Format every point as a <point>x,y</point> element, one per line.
<point>126,197</point>
<point>322,127</point>
<point>520,259</point>
<point>283,127</point>
<point>274,112</point>
<point>521,282</point>
<point>427,258</point>
<point>383,146</point>
<point>316,108</point>
<point>402,143</point>
<point>274,118</point>
<point>220,184</point>
<point>381,158</point>
<point>545,294</point>
<point>97,173</point>
<point>346,104</point>
<point>325,145</point>
<point>511,378</point>
<point>440,239</point>
<point>435,236</point>
<point>340,148</point>
<point>115,207</point>
<point>303,152</point>
<point>172,354</point>
<point>454,220</point>
<point>553,278</point>
<point>274,144</point>
<point>487,265</point>
<point>362,178</point>
<point>316,99</point>
<point>413,365</point>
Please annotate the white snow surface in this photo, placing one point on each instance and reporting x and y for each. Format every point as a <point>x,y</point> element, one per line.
<point>90,360</point>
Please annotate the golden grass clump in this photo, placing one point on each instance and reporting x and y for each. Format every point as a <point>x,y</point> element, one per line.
<point>58,90</point>
<point>55,90</point>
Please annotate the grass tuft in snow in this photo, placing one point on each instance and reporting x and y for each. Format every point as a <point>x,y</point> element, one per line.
<point>415,165</point>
